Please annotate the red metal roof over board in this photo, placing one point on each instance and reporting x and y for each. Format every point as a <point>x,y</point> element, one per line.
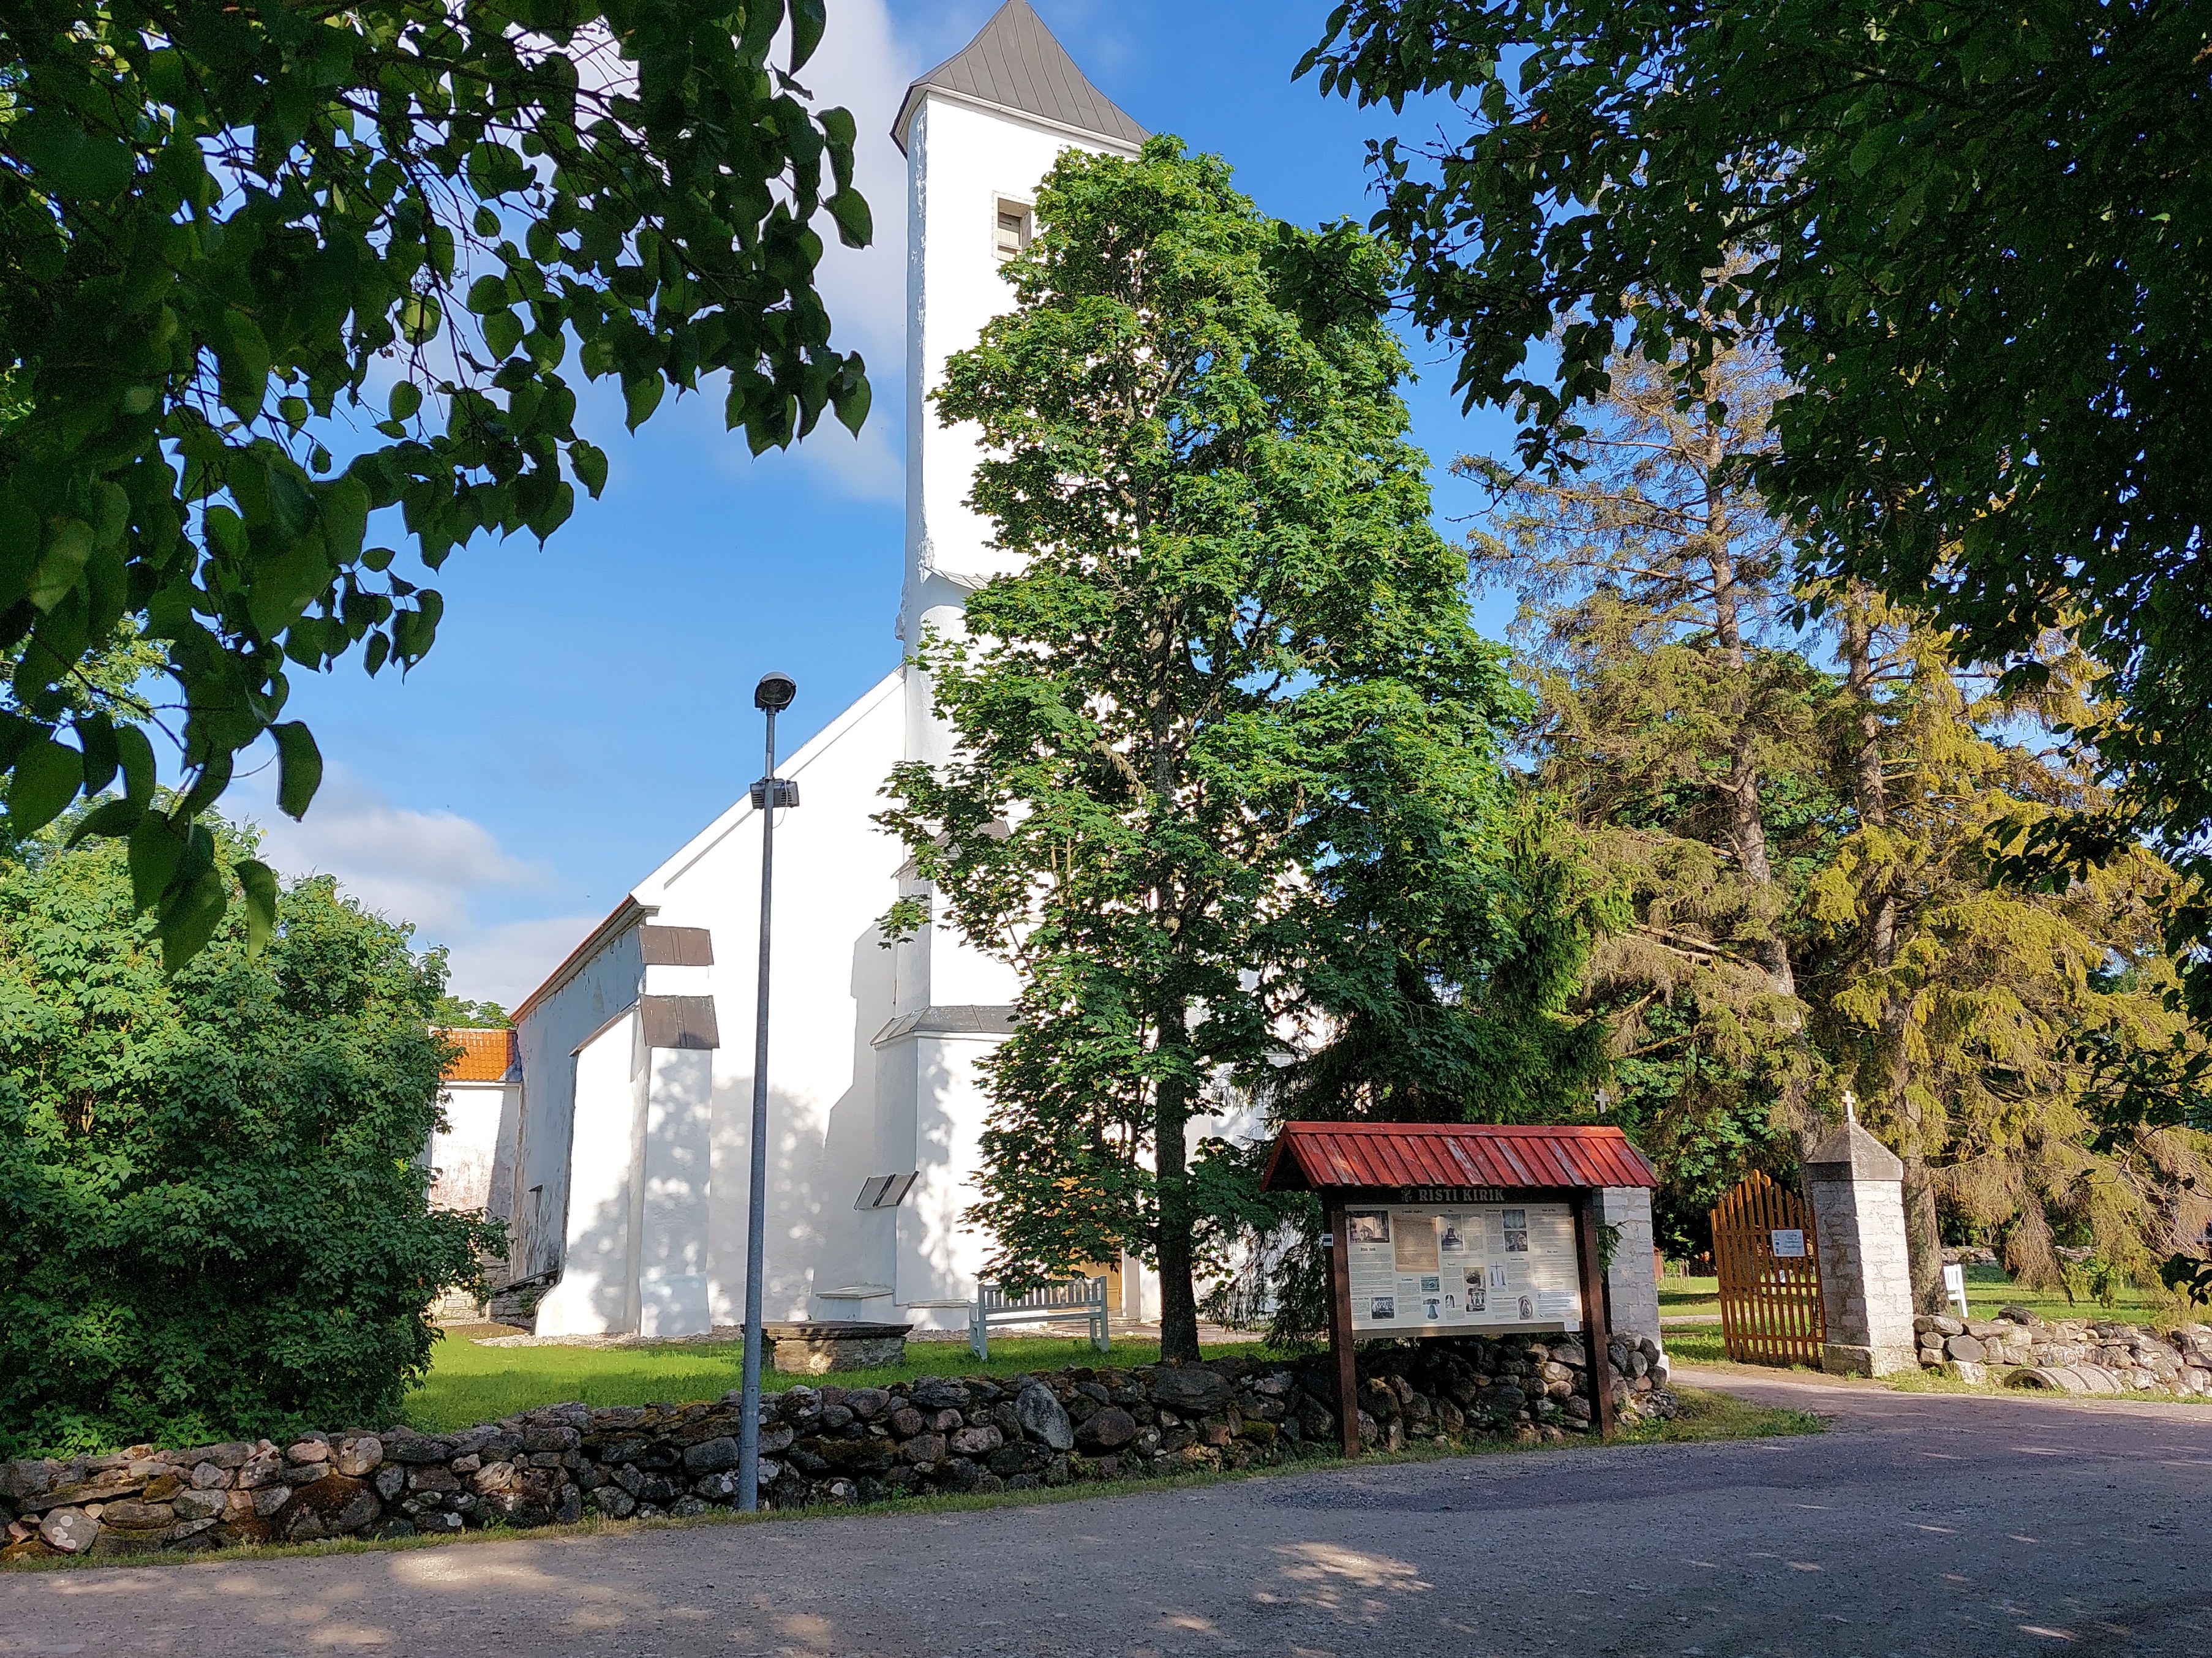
<point>1319,1156</point>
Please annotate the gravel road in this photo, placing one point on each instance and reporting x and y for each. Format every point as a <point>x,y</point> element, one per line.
<point>1919,1524</point>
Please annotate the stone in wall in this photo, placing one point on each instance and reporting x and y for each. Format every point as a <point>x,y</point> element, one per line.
<point>819,1446</point>
<point>2073,1356</point>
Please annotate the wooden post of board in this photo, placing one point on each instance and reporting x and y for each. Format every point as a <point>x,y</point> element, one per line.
<point>1339,1331</point>
<point>1597,1334</point>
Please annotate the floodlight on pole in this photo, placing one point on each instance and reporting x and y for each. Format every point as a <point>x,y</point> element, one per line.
<point>771,697</point>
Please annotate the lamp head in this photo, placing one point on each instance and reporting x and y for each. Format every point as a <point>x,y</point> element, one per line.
<point>773,693</point>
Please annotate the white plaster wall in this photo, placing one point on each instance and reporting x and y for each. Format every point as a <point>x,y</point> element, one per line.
<point>506,1149</point>
<point>935,1115</point>
<point>834,987</point>
<point>546,1037</point>
<point>464,1155</point>
<point>678,1160</point>
<point>597,1290</point>
<point>831,985</point>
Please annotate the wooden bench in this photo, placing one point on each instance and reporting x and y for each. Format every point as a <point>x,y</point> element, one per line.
<point>1082,1299</point>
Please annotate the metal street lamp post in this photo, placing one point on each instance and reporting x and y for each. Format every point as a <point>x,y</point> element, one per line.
<point>771,697</point>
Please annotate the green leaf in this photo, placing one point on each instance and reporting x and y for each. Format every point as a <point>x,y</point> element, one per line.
<point>61,564</point>
<point>259,883</point>
<point>406,398</point>
<point>113,818</point>
<point>286,585</point>
<point>135,753</point>
<point>207,788</point>
<point>420,316</point>
<point>808,18</point>
<point>856,225</point>
<point>299,767</point>
<point>96,736</point>
<point>852,402</point>
<point>74,163</point>
<point>641,397</point>
<point>502,332</point>
<point>157,846</point>
<point>590,463</point>
<point>189,916</point>
<point>242,361</point>
<point>45,780</point>
<point>342,504</point>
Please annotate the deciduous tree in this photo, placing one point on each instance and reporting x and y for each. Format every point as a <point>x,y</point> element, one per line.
<point>214,1186</point>
<point>268,273</point>
<point>1227,771</point>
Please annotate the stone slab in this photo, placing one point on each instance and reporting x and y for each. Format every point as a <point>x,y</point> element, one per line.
<point>822,1348</point>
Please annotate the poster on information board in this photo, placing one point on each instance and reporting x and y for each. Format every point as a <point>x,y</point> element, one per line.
<point>1462,1270</point>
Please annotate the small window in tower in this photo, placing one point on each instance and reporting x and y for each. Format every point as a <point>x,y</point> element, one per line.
<point>1013,228</point>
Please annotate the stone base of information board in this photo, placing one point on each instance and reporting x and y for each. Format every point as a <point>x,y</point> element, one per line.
<point>818,1348</point>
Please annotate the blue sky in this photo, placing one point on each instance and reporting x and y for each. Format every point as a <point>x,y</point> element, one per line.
<point>587,706</point>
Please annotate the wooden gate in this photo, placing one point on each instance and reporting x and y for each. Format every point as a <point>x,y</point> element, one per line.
<point>1770,1272</point>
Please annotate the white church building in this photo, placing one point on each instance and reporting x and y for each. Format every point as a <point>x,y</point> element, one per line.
<point>622,1167</point>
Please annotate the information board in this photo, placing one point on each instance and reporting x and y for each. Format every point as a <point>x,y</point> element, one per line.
<point>1463,1268</point>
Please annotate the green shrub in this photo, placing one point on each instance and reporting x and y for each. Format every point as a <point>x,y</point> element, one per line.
<point>214,1213</point>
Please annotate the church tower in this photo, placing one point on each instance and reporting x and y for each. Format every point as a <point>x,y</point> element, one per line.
<point>630,1146</point>
<point>979,131</point>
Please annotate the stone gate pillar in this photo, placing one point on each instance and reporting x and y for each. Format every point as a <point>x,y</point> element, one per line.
<point>1856,1187</point>
<point>1631,1286</point>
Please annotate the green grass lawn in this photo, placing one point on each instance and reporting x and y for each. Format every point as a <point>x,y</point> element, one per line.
<point>1706,1415</point>
<point>1987,1289</point>
<point>469,1383</point>
<point>1679,1296</point>
<point>1693,1343</point>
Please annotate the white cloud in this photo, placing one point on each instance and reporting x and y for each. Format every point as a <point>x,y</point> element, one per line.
<point>505,962</point>
<point>862,66</point>
<point>432,868</point>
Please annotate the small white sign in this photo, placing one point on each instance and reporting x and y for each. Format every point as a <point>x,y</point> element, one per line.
<point>1789,1242</point>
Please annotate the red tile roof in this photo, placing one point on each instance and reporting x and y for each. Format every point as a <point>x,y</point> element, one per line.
<point>486,1056</point>
<point>1316,1156</point>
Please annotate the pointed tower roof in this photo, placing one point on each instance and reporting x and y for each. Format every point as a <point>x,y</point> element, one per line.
<point>1016,65</point>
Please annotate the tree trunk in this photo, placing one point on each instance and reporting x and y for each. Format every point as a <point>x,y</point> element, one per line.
<point>1171,1119</point>
<point>1893,1069</point>
<point>1171,1101</point>
<point>1746,823</point>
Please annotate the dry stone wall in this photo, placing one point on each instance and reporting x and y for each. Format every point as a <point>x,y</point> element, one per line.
<point>819,1446</point>
<point>2069,1355</point>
